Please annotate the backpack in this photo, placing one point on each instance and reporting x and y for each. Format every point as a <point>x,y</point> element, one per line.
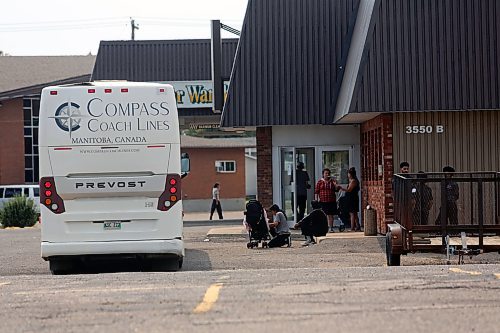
<point>254,212</point>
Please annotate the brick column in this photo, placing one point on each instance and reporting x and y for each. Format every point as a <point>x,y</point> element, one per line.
<point>264,166</point>
<point>376,149</point>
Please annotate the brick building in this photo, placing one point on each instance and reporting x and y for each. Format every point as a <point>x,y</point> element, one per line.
<point>367,83</point>
<point>183,63</point>
<point>220,160</point>
<point>21,83</point>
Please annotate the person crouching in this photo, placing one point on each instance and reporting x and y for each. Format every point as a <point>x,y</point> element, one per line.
<point>279,228</point>
<point>314,224</point>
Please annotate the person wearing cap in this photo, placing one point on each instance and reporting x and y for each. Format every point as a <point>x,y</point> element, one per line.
<point>301,186</point>
<point>452,195</point>
<point>279,227</point>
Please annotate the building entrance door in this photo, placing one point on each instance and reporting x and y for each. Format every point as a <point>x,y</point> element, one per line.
<point>338,161</point>
<point>293,185</point>
<point>304,190</point>
<point>287,175</point>
<point>314,160</point>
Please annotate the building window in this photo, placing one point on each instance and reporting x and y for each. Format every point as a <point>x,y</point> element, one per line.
<point>31,109</point>
<point>251,152</point>
<point>225,166</point>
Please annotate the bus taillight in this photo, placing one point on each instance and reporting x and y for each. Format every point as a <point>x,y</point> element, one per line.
<point>49,197</point>
<point>170,195</point>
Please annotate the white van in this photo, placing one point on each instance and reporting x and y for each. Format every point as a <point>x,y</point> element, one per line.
<point>110,173</point>
<point>7,192</point>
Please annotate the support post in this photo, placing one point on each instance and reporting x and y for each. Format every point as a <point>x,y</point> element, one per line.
<point>216,52</point>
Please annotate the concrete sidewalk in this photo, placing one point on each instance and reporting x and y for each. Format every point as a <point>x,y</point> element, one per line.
<point>229,216</point>
<point>236,217</point>
<point>239,231</point>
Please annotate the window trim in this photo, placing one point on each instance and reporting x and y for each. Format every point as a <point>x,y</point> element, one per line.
<point>220,166</point>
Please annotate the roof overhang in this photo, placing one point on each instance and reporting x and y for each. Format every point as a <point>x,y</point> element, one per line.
<point>356,118</point>
<point>37,89</point>
<point>354,59</point>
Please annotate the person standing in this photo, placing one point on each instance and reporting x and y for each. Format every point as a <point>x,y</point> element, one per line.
<point>404,167</point>
<point>452,195</point>
<point>301,185</point>
<point>421,200</point>
<point>216,201</point>
<point>325,193</point>
<point>352,199</point>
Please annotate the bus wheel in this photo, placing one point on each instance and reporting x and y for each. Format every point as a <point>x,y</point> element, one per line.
<point>60,267</point>
<point>167,264</point>
<point>181,261</point>
<point>392,259</point>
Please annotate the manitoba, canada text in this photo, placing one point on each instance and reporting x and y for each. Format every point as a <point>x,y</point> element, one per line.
<point>99,140</point>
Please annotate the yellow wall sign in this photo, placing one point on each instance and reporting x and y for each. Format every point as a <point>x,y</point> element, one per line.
<point>195,94</point>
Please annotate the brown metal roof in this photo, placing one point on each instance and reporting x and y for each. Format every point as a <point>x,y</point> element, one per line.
<point>20,72</point>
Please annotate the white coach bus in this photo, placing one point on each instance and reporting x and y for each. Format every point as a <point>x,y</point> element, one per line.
<point>110,174</point>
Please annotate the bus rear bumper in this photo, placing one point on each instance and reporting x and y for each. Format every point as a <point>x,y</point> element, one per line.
<point>173,247</point>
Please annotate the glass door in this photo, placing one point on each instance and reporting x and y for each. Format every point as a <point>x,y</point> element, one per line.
<point>304,190</point>
<point>312,160</point>
<point>338,161</point>
<point>287,185</point>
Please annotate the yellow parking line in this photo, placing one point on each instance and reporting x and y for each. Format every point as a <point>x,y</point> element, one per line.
<point>209,299</point>
<point>4,283</point>
<point>458,270</point>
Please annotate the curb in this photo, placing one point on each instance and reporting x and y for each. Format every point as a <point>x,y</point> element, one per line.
<point>36,226</point>
<point>239,232</point>
<point>228,221</point>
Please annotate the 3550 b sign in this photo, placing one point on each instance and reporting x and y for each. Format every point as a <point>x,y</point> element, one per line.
<point>424,129</point>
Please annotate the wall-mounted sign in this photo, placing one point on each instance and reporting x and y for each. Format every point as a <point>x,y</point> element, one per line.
<point>195,94</point>
<point>424,129</point>
<point>204,126</point>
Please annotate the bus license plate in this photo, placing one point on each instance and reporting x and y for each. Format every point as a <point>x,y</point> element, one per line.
<point>112,225</point>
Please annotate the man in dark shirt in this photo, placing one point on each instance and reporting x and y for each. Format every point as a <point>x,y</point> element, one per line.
<point>301,185</point>
<point>404,167</point>
<point>401,192</point>
<point>452,195</point>
<point>421,200</point>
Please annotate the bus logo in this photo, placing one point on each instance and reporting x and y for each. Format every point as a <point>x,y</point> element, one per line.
<point>68,117</point>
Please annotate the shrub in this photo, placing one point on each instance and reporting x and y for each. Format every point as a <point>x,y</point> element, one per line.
<point>19,212</point>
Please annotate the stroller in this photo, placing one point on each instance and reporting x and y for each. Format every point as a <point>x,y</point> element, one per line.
<point>345,219</point>
<point>259,231</point>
